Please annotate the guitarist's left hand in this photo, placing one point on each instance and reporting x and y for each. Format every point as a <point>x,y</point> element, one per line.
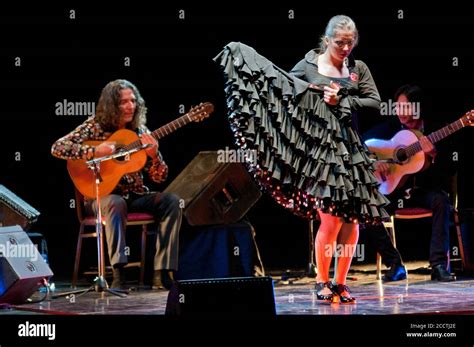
<point>152,152</point>
<point>427,146</point>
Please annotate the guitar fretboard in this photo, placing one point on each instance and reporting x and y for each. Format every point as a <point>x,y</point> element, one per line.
<point>163,131</point>
<point>435,137</point>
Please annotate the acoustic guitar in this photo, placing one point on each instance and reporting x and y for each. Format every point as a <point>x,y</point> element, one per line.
<point>111,171</point>
<point>404,151</point>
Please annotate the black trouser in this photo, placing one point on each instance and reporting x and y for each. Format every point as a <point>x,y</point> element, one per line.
<point>384,245</point>
<point>435,200</point>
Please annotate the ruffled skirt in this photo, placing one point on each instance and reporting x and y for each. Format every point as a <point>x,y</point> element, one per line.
<point>300,150</point>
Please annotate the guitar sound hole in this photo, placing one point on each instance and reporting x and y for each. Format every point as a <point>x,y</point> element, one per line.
<point>119,149</point>
<point>401,155</point>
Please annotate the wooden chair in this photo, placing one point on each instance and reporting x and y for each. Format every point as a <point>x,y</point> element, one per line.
<point>133,219</point>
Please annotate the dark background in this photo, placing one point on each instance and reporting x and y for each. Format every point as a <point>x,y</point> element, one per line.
<point>171,64</point>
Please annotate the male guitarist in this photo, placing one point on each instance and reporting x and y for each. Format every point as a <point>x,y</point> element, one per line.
<point>425,189</point>
<point>121,107</point>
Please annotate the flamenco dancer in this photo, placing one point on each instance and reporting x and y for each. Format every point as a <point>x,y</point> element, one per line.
<point>310,155</point>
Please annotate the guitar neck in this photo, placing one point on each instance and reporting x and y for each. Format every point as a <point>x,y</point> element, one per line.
<point>164,130</point>
<point>436,136</point>
<point>171,126</point>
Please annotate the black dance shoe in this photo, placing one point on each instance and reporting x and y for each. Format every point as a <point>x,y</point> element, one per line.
<point>338,291</point>
<point>324,297</point>
<point>439,273</point>
<point>397,272</point>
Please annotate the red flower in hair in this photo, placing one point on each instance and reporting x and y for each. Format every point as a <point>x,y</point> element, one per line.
<point>354,77</point>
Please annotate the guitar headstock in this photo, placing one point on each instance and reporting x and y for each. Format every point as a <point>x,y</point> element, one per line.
<point>200,112</point>
<point>468,118</point>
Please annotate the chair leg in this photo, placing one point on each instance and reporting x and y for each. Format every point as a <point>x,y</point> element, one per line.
<point>143,254</point>
<point>464,265</point>
<point>392,231</point>
<point>379,267</point>
<point>78,257</point>
<point>390,227</point>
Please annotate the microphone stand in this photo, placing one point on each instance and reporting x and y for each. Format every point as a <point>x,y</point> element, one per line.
<point>100,284</point>
<point>311,270</point>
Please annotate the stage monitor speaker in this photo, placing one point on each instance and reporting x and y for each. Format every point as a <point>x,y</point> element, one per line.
<point>214,192</point>
<point>222,297</point>
<point>15,211</point>
<point>22,268</point>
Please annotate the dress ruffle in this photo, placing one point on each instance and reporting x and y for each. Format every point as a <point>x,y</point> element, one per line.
<point>307,154</point>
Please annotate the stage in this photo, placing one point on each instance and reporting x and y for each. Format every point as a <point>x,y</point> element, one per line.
<point>416,295</point>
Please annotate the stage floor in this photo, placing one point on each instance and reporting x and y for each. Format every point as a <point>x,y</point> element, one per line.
<point>416,295</point>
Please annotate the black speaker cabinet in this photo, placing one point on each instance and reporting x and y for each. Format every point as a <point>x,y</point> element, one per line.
<point>222,297</point>
<point>214,192</point>
<point>15,211</point>
<point>22,267</point>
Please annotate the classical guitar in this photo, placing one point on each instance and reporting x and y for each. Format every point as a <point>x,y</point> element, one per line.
<point>111,171</point>
<point>404,151</point>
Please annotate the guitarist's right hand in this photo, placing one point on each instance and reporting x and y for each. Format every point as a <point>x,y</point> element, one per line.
<point>105,148</point>
<point>383,169</point>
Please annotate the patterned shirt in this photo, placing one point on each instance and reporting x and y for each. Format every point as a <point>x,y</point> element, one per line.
<point>72,146</point>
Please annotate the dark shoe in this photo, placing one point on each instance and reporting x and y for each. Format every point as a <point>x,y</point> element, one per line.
<point>397,272</point>
<point>162,280</point>
<point>342,292</point>
<point>439,273</point>
<point>319,287</point>
<point>118,281</point>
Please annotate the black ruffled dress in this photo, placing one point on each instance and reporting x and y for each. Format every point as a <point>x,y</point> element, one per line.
<point>308,156</point>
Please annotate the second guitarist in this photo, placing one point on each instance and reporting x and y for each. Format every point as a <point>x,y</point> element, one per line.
<point>121,107</point>
<point>425,189</point>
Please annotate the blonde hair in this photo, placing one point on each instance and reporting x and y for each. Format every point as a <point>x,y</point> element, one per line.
<point>339,22</point>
